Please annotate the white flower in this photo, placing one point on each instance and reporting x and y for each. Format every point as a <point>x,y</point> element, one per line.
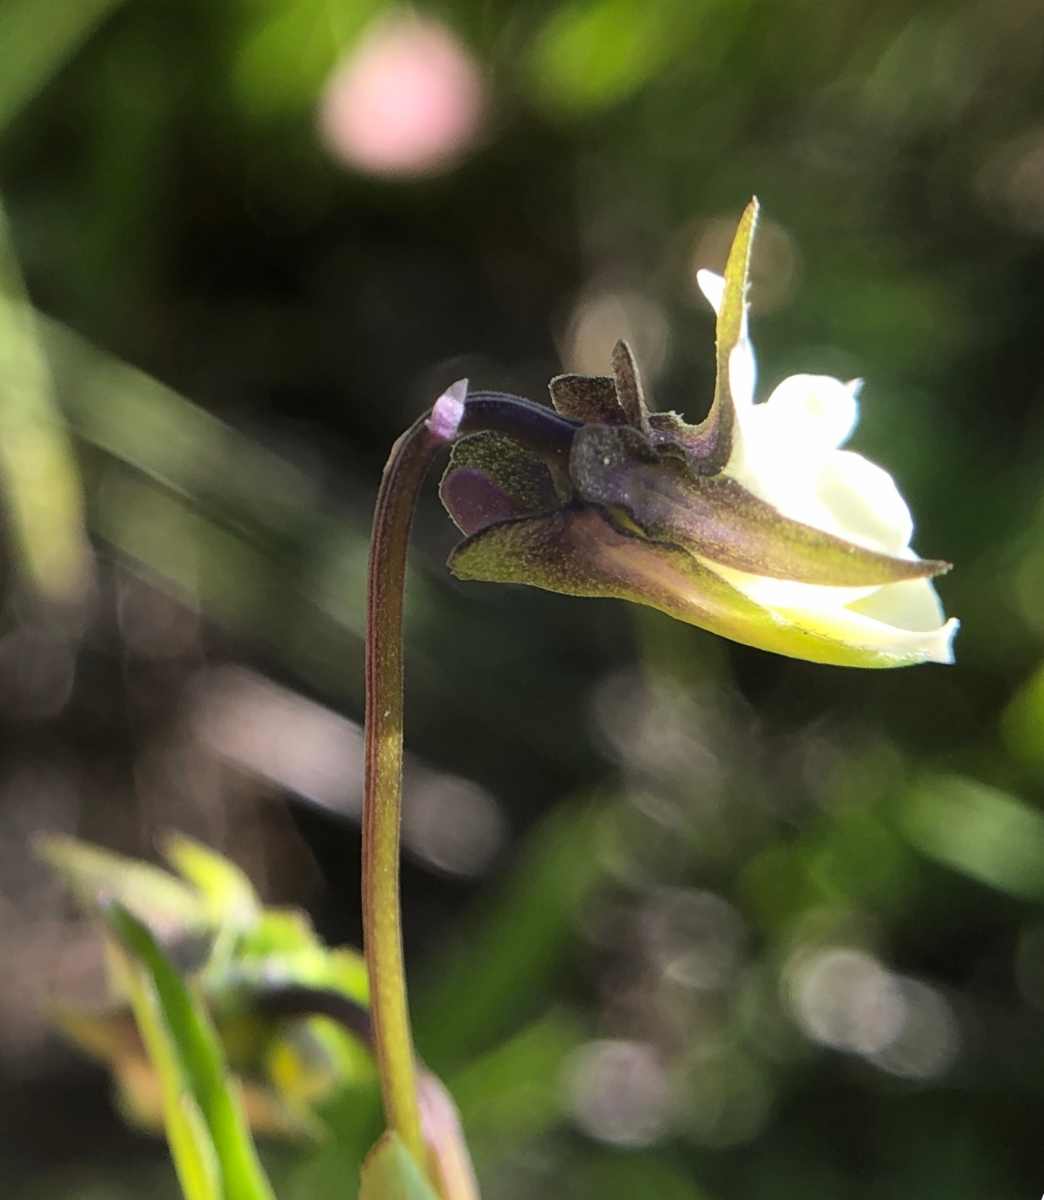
<point>787,451</point>
<point>754,524</point>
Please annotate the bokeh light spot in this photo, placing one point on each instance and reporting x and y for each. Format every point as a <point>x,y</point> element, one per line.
<point>619,1092</point>
<point>407,100</point>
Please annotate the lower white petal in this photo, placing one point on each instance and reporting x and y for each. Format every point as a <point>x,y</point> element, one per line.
<point>855,629</point>
<point>900,618</point>
<point>788,593</point>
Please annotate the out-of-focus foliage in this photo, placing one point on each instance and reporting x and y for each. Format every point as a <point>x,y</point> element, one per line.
<point>391,1173</point>
<point>206,1125</point>
<point>240,954</point>
<point>682,919</point>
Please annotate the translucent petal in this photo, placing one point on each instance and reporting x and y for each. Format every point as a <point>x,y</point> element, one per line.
<point>743,377</point>
<point>712,286</point>
<point>787,593</point>
<point>913,604</point>
<point>798,472</point>
<point>807,411</point>
<point>864,502</point>
<point>857,629</point>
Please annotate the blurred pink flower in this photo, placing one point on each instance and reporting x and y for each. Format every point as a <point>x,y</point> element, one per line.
<point>406,100</point>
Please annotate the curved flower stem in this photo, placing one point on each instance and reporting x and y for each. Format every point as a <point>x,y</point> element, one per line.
<point>404,473</point>
<point>382,801</point>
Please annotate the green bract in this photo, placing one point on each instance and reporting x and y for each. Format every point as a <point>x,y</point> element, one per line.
<point>753,524</point>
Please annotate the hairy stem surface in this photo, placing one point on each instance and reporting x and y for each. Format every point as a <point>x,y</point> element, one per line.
<point>382,802</point>
<point>411,456</point>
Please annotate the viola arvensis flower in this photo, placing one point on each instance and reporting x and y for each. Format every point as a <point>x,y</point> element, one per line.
<point>754,524</point>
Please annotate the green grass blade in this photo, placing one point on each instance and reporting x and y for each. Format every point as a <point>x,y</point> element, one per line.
<point>186,1050</point>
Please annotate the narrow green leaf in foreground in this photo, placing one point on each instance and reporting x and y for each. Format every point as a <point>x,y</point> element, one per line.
<point>39,476</point>
<point>390,1172</point>
<point>208,1133</point>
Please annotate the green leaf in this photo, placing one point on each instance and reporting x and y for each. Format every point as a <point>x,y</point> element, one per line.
<point>390,1172</point>
<point>39,477</point>
<point>37,37</point>
<point>206,1127</point>
<point>96,876</point>
<point>229,896</point>
<point>592,54</point>
<point>979,831</point>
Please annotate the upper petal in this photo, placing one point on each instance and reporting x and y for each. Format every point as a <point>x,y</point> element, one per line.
<point>807,412</point>
<point>788,457</point>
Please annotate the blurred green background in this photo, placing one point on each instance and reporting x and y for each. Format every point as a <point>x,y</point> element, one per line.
<point>683,920</point>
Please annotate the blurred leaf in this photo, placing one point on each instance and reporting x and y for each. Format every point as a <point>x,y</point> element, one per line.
<point>37,37</point>
<point>978,830</point>
<point>285,1068</point>
<point>1022,723</point>
<point>510,960</point>
<point>174,442</point>
<point>38,472</point>
<point>95,876</point>
<point>514,1093</point>
<point>390,1172</point>
<point>227,891</point>
<point>592,54</point>
<point>639,1176</point>
<point>283,62</point>
<point>206,1126</point>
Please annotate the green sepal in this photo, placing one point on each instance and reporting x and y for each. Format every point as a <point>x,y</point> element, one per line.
<point>587,398</point>
<point>521,475</point>
<point>580,552</point>
<point>390,1172</point>
<point>717,429</point>
<point>617,399</point>
<point>629,388</point>
<point>715,518</point>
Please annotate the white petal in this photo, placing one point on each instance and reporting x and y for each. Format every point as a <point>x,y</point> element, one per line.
<point>913,604</point>
<point>713,287</point>
<point>864,503</point>
<point>855,629</point>
<point>903,618</point>
<point>812,412</point>
<point>787,593</point>
<point>743,374</point>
